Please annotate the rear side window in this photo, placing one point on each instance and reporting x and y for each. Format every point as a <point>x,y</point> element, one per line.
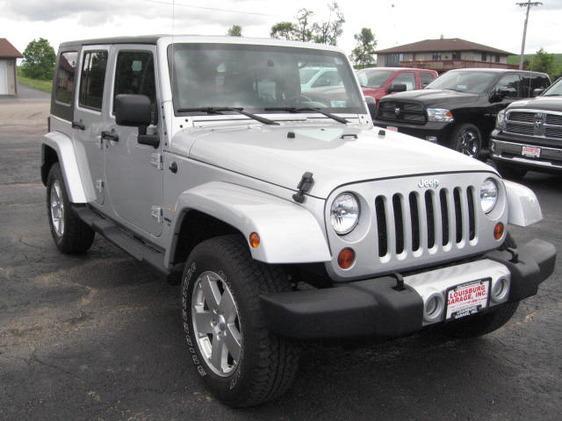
<point>134,74</point>
<point>92,79</point>
<point>511,85</point>
<point>531,82</point>
<point>426,78</point>
<point>64,83</point>
<point>407,79</point>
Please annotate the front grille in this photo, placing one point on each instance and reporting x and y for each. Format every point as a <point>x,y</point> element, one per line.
<point>534,123</point>
<point>554,132</point>
<point>407,112</point>
<point>528,130</point>
<point>409,223</point>
<point>525,117</point>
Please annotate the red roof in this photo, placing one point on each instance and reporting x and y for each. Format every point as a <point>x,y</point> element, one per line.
<point>442,44</point>
<point>7,50</point>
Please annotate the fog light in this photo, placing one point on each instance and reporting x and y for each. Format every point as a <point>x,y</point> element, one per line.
<point>254,240</point>
<point>432,139</point>
<point>433,307</point>
<point>346,258</point>
<point>500,290</point>
<point>498,231</point>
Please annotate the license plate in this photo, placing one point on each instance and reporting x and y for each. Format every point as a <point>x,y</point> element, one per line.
<point>467,299</point>
<point>392,128</point>
<point>531,151</point>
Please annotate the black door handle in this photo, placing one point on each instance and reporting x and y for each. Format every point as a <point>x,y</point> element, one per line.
<point>110,136</point>
<point>78,125</point>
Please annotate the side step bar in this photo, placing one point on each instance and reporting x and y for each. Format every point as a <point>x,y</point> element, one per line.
<point>122,238</point>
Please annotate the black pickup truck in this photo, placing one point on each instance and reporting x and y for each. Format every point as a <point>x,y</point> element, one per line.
<point>528,135</point>
<point>459,108</point>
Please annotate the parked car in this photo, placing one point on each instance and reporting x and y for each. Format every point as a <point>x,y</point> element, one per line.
<point>528,135</point>
<point>459,109</point>
<point>318,77</point>
<point>377,82</point>
<point>283,220</point>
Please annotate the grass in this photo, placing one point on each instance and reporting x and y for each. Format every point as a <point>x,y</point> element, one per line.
<point>42,85</point>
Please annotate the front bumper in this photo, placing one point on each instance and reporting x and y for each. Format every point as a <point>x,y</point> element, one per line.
<point>430,130</point>
<point>376,308</point>
<point>509,150</point>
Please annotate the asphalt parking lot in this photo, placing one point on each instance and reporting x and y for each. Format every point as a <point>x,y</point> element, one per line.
<point>99,336</point>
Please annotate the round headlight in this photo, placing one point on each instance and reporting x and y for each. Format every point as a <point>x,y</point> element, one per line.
<point>488,195</point>
<point>344,213</point>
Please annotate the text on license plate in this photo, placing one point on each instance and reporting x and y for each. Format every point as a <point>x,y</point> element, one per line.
<point>531,151</point>
<point>466,299</point>
<point>392,128</point>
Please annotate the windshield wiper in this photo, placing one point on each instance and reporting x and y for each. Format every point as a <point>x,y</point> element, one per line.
<point>305,109</point>
<point>219,110</point>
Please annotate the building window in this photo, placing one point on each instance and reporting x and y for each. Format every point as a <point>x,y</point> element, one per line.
<point>497,58</point>
<point>484,57</point>
<point>436,56</point>
<point>456,55</point>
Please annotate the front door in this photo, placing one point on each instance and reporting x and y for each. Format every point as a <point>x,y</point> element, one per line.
<point>133,171</point>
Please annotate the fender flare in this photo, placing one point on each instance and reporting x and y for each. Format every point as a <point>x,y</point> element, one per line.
<point>524,208</point>
<point>289,232</point>
<point>78,190</point>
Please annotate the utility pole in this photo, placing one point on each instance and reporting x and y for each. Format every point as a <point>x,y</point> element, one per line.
<point>528,5</point>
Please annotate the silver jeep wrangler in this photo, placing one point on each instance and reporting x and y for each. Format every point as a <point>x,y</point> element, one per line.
<point>283,211</point>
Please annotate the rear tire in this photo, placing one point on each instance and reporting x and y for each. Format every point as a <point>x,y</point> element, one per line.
<point>466,139</point>
<point>70,234</point>
<point>259,366</point>
<point>482,324</point>
<point>511,172</point>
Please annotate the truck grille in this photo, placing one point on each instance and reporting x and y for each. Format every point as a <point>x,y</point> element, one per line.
<point>416,221</point>
<point>535,124</point>
<point>407,112</point>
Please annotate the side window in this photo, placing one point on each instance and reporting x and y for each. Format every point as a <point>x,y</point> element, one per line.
<point>134,74</point>
<point>510,84</point>
<point>92,79</point>
<point>407,79</point>
<point>539,82</point>
<point>426,78</point>
<point>64,82</point>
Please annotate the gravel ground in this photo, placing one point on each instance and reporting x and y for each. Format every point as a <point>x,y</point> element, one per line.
<point>99,336</point>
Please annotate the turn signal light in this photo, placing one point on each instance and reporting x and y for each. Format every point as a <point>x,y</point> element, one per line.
<point>498,231</point>
<point>254,240</point>
<point>346,258</point>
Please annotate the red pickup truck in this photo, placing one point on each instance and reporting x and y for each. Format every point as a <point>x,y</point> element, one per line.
<point>377,82</point>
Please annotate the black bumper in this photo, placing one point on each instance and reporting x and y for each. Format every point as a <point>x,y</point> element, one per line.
<point>509,149</point>
<point>441,131</point>
<point>375,308</point>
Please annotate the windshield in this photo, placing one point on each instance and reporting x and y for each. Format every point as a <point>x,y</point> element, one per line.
<point>259,77</point>
<point>471,82</point>
<point>373,78</point>
<point>555,89</point>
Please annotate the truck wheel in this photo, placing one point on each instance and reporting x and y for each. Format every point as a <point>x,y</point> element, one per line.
<point>481,324</point>
<point>467,140</point>
<point>510,172</point>
<point>239,359</point>
<point>70,233</point>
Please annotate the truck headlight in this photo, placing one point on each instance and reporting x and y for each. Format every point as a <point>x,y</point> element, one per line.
<point>344,213</point>
<point>488,195</point>
<point>439,114</point>
<point>500,120</point>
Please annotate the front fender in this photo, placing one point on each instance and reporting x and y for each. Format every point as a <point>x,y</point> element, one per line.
<point>524,208</point>
<point>289,232</point>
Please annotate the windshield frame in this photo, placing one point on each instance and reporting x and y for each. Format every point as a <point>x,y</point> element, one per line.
<point>353,82</point>
<point>489,86</point>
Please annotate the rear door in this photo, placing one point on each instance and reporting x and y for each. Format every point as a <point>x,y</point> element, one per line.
<point>134,171</point>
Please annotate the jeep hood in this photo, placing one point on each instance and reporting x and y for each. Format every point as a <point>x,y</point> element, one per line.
<point>331,153</point>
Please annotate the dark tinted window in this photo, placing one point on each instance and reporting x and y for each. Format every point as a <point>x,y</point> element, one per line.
<point>92,79</point>
<point>64,83</point>
<point>511,85</point>
<point>426,78</point>
<point>531,82</point>
<point>134,74</point>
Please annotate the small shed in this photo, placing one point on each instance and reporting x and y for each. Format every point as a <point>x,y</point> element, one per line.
<point>8,56</point>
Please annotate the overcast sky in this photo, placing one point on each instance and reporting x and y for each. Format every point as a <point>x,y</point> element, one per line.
<point>497,23</point>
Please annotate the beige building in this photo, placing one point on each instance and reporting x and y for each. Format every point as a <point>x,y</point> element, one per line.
<point>8,56</point>
<point>443,54</point>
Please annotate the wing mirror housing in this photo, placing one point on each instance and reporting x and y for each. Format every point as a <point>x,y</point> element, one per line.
<point>136,111</point>
<point>537,91</point>
<point>397,87</point>
<point>371,105</point>
<point>497,95</point>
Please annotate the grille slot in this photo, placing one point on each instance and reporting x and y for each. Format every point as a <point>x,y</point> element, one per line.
<point>526,129</point>
<point>524,117</point>
<point>413,222</point>
<point>554,119</point>
<point>555,132</point>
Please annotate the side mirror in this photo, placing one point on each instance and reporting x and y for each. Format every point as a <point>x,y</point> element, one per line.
<point>497,95</point>
<point>371,105</point>
<point>397,87</point>
<point>136,111</point>
<point>537,91</point>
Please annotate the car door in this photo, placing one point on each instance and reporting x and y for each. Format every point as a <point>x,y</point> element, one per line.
<point>88,118</point>
<point>510,87</point>
<point>133,171</point>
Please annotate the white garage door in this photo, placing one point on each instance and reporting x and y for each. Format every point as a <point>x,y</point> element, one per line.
<point>3,77</point>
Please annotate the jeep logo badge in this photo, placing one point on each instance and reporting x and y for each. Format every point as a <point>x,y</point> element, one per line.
<point>428,183</point>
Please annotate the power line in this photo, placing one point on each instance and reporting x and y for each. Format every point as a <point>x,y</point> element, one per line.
<point>528,5</point>
<point>212,9</point>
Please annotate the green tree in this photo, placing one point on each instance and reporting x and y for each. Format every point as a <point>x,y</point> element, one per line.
<point>363,55</point>
<point>303,28</point>
<point>329,31</point>
<point>284,30</point>
<point>39,60</point>
<point>543,62</point>
<point>235,31</point>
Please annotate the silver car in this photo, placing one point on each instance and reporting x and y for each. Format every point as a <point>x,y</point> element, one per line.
<point>284,215</point>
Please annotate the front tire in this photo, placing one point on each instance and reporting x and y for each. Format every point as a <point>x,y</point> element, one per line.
<point>239,359</point>
<point>70,234</point>
<point>466,139</point>
<point>481,324</point>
